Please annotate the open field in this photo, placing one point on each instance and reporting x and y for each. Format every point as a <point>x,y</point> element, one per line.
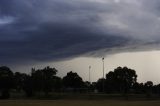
<point>77,103</point>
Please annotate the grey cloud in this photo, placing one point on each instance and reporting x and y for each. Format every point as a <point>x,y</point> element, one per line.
<point>57,29</point>
<point>67,42</point>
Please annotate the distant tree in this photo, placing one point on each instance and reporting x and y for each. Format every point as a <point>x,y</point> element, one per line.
<point>23,82</point>
<point>138,88</point>
<point>148,84</point>
<point>99,84</point>
<point>156,89</point>
<point>110,83</point>
<point>57,84</point>
<point>72,80</point>
<point>93,86</point>
<point>19,80</point>
<point>28,85</point>
<point>148,87</point>
<point>87,84</point>
<point>6,82</point>
<point>43,79</point>
<point>125,78</point>
<point>122,79</point>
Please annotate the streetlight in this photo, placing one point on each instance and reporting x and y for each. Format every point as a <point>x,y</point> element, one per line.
<point>103,73</point>
<point>89,74</point>
<point>103,67</point>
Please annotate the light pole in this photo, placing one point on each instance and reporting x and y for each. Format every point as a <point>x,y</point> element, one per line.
<point>103,74</point>
<point>89,74</point>
<point>103,67</point>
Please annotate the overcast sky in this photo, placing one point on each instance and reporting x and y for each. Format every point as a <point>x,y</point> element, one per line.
<point>61,32</point>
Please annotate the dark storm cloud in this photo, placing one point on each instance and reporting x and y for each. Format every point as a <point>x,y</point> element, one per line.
<point>67,41</point>
<point>47,30</point>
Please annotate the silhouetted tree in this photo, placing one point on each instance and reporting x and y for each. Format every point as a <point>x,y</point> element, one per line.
<point>19,80</point>
<point>72,80</point>
<point>6,82</point>
<point>93,87</point>
<point>57,84</point>
<point>99,84</point>
<point>138,88</point>
<point>122,79</point>
<point>88,86</point>
<point>110,83</point>
<point>43,79</point>
<point>148,87</point>
<point>23,82</point>
<point>28,85</point>
<point>156,89</point>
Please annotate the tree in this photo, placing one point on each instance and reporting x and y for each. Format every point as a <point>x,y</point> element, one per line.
<point>6,81</point>
<point>110,84</point>
<point>23,82</point>
<point>156,89</point>
<point>72,80</point>
<point>57,84</point>
<point>19,80</point>
<point>122,79</point>
<point>43,79</point>
<point>139,88</point>
<point>27,85</point>
<point>148,87</point>
<point>99,84</point>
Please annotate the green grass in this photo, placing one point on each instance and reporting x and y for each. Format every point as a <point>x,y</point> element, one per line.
<point>77,103</point>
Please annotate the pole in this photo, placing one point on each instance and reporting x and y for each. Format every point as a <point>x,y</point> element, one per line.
<point>103,67</point>
<point>89,74</point>
<point>103,74</point>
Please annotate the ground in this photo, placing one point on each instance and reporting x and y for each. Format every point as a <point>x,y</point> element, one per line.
<point>77,103</point>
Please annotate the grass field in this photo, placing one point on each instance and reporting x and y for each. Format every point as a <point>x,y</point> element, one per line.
<point>77,103</point>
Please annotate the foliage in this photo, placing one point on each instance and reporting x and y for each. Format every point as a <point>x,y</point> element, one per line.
<point>6,81</point>
<point>72,80</point>
<point>121,80</point>
<point>43,79</point>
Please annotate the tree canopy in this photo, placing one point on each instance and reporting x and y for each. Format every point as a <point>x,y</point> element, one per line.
<point>121,80</point>
<point>72,80</point>
<point>43,79</point>
<point>6,81</point>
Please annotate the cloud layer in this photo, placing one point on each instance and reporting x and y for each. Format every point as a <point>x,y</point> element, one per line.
<point>48,30</point>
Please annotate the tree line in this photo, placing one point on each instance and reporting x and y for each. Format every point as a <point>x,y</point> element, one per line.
<point>121,80</point>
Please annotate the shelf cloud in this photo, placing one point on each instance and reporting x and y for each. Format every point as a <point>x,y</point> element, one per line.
<point>50,30</point>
